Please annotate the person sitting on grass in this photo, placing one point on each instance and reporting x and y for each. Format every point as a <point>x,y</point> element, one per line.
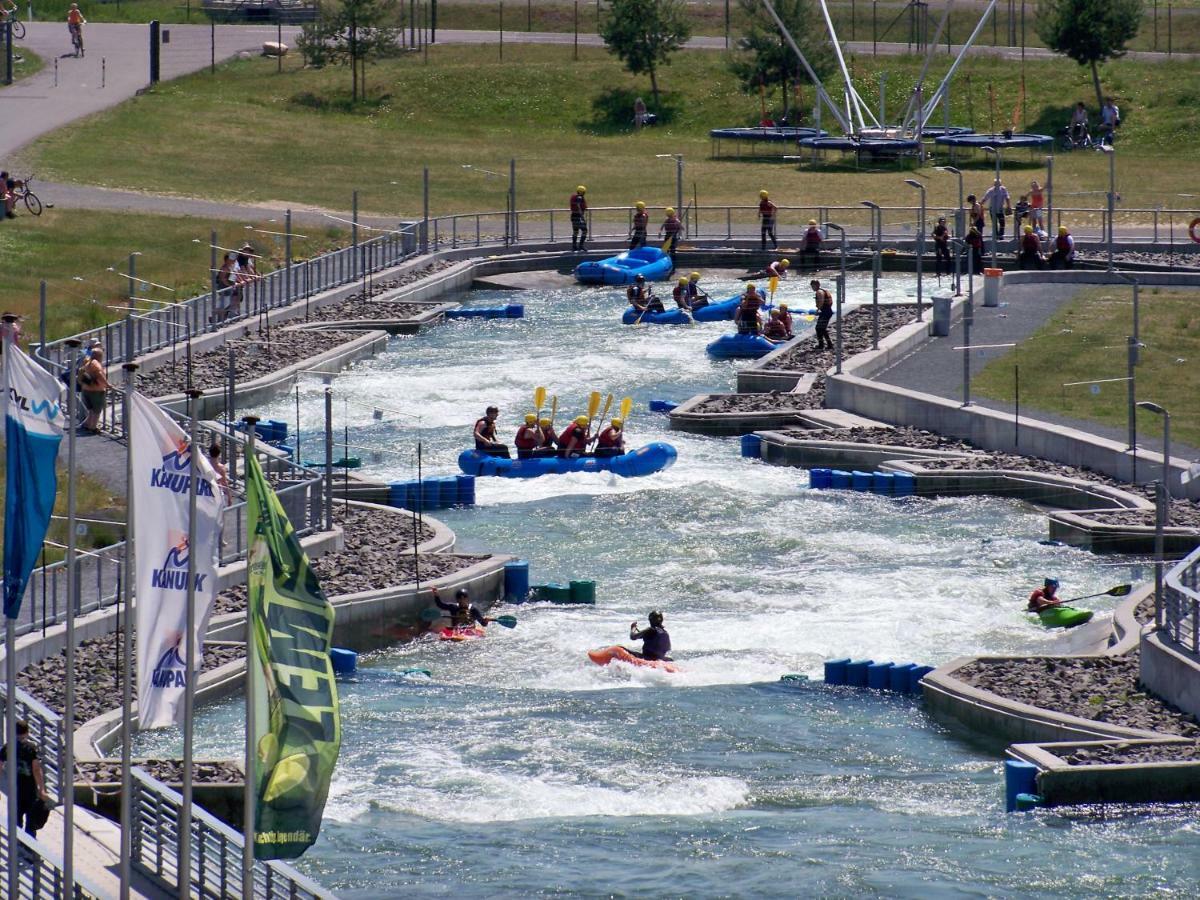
<point>1045,597</point>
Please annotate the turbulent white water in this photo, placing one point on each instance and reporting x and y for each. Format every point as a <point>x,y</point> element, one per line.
<point>520,767</point>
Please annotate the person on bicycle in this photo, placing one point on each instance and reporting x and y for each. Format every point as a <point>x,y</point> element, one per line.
<point>8,10</point>
<point>1079,124</point>
<point>75,23</point>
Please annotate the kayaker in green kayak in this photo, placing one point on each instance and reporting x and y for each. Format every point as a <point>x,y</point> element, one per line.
<point>1045,597</point>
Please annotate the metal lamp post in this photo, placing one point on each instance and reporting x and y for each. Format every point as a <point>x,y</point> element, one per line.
<point>1112,199</point>
<point>678,157</point>
<point>912,182</point>
<point>959,213</point>
<point>1166,464</point>
<point>876,270</point>
<point>841,294</point>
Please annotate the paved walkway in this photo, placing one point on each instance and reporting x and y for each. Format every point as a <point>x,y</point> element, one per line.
<point>936,367</point>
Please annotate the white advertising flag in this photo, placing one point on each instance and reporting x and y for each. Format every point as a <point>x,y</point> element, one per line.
<point>159,494</point>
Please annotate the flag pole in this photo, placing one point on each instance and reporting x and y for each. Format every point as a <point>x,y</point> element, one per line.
<point>67,776</point>
<point>10,707</point>
<point>191,664</point>
<point>125,870</point>
<point>250,794</point>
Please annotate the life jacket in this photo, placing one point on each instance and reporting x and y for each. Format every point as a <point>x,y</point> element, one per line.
<point>657,644</point>
<point>766,209</point>
<point>941,233</point>
<point>527,437</point>
<point>1030,243</point>
<point>610,437</point>
<point>578,204</point>
<point>679,295</point>
<point>672,225</point>
<point>751,302</point>
<point>578,432</point>
<point>812,237</point>
<point>487,429</point>
<point>1063,243</point>
<point>636,292</point>
<point>775,329</point>
<point>693,290</point>
<point>548,437</point>
<point>640,220</point>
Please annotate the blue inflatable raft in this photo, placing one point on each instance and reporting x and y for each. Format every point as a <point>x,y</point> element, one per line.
<point>718,310</point>
<point>643,461</point>
<point>674,316</point>
<point>740,346</point>
<point>625,267</point>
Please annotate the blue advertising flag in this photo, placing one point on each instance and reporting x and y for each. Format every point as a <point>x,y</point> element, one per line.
<point>33,429</point>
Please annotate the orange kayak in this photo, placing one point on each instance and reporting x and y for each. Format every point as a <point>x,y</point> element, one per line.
<point>468,633</point>
<point>604,655</point>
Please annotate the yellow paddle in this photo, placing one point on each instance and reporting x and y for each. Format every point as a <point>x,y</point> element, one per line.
<point>553,409</point>
<point>607,404</point>
<point>626,408</point>
<point>771,286</point>
<point>593,407</point>
<point>539,399</point>
<point>666,243</point>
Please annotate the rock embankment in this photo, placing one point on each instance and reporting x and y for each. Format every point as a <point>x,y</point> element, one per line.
<point>254,355</point>
<point>856,337</point>
<point>169,771</point>
<point>1100,688</point>
<point>1124,754</point>
<point>772,401</point>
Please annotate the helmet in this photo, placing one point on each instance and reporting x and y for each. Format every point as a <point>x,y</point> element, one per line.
<point>545,423</point>
<point>762,194</point>
<point>639,278</point>
<point>1062,229</point>
<point>783,307</point>
<point>750,289</point>
<point>941,218</point>
<point>774,314</point>
<point>640,205</point>
<point>1050,583</point>
<point>695,276</point>
<point>581,420</point>
<point>617,423</point>
<point>670,210</point>
<point>581,190</point>
<point>785,262</point>
<point>530,418</point>
<point>812,221</point>
<point>683,281</point>
<point>656,618</point>
<point>1029,229</point>
<point>461,592</point>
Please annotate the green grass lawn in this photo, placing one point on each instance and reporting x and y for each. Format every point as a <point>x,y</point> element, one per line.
<point>566,123</point>
<point>1085,341</point>
<point>80,252</point>
<point>25,63</point>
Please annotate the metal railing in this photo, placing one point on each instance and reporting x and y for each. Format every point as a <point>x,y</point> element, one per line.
<point>41,872</point>
<point>216,862</point>
<point>1181,604</point>
<point>46,733</point>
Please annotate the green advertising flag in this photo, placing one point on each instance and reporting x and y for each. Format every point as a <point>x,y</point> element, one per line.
<point>297,730</point>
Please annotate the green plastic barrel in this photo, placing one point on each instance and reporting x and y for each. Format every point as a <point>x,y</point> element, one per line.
<point>583,592</point>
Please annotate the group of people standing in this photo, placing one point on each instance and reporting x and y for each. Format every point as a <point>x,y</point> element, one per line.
<point>236,272</point>
<point>536,438</point>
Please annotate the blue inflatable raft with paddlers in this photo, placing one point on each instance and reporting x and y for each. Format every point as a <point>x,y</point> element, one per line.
<point>740,346</point>
<point>625,267</point>
<point>645,460</point>
<point>635,316</point>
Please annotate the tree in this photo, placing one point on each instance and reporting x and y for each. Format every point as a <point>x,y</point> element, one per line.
<point>351,32</point>
<point>644,33</point>
<point>1089,31</point>
<point>767,60</point>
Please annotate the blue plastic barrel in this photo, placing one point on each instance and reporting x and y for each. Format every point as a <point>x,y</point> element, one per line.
<point>860,481</point>
<point>466,490</point>
<point>914,678</point>
<point>839,480</point>
<point>430,491</point>
<point>898,677</point>
<point>820,478</point>
<point>904,483</point>
<point>877,675</point>
<point>752,446</point>
<point>397,493</point>
<point>835,671</point>
<point>856,672</point>
<point>662,406</point>
<point>447,490</point>
<point>412,496</point>
<point>883,483</point>
<point>514,311</point>
<point>344,661</point>
<point>1020,777</point>
<point>516,581</point>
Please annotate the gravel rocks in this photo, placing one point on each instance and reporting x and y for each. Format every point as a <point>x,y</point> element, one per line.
<point>856,337</point>
<point>374,557</point>
<point>768,402</point>
<point>1184,514</point>
<point>1141,257</point>
<point>169,771</point>
<point>1100,688</point>
<point>902,436</point>
<point>252,360</point>
<point>355,309</point>
<point>1124,753</point>
<point>97,671</point>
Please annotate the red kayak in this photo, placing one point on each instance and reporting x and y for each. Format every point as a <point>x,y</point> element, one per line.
<point>604,655</point>
<point>466,633</point>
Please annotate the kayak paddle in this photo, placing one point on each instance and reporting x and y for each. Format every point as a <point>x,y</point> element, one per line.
<point>506,621</point>
<point>604,413</point>
<point>553,409</point>
<point>771,286</point>
<point>626,408</point>
<point>1121,590</point>
<point>593,407</point>
<point>432,614</point>
<point>539,399</point>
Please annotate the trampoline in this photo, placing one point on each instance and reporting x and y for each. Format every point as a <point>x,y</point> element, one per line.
<point>774,141</point>
<point>933,132</point>
<point>872,148</point>
<point>1002,141</point>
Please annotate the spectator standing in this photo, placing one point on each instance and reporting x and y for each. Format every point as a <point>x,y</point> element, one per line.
<point>31,783</point>
<point>93,383</point>
<point>1079,123</point>
<point>639,112</point>
<point>823,301</point>
<point>1037,205</point>
<point>579,229</point>
<point>975,245</point>
<point>766,212</point>
<point>10,330</point>
<point>669,230</point>
<point>975,213</point>
<point>941,247</point>
<point>999,205</point>
<point>1110,118</point>
<point>641,219</point>
<point>8,191</point>
<point>225,287</point>
<point>244,273</point>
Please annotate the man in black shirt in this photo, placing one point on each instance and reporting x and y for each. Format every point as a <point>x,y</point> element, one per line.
<point>31,786</point>
<point>656,643</point>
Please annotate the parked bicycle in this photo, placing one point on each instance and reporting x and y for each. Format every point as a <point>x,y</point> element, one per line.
<point>23,193</point>
<point>8,13</point>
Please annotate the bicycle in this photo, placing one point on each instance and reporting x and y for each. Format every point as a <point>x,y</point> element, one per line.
<point>22,192</point>
<point>18,27</point>
<point>77,38</point>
